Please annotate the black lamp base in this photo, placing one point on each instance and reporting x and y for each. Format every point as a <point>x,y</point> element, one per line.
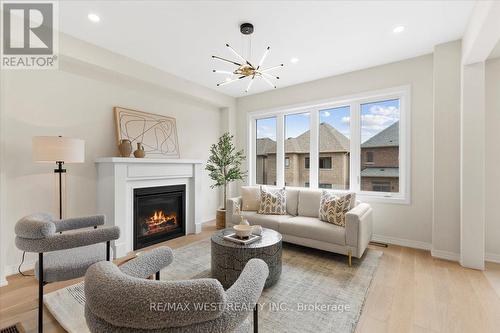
<point>60,171</point>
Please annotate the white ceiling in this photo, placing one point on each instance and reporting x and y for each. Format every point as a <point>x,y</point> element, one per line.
<point>328,37</point>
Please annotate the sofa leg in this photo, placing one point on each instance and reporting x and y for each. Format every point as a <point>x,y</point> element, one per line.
<point>349,254</point>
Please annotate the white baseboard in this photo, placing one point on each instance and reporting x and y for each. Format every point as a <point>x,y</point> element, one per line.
<point>402,242</point>
<point>3,282</point>
<point>12,269</point>
<point>492,257</point>
<point>453,256</point>
<point>446,255</point>
<point>208,219</point>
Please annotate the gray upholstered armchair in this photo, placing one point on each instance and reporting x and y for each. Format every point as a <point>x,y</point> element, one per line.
<point>69,253</point>
<point>150,306</point>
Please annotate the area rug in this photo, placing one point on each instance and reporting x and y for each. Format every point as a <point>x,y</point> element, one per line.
<point>317,291</point>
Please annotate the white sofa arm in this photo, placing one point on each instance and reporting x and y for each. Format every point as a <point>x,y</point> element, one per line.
<point>359,228</point>
<point>233,208</point>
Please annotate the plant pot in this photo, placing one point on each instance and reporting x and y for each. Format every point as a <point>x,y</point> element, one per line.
<point>220,219</point>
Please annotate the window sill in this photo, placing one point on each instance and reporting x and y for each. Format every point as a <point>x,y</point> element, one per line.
<point>381,198</point>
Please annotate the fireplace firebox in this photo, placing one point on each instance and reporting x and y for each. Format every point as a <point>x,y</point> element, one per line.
<point>159,214</point>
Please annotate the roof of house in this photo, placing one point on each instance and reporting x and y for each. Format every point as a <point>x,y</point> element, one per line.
<point>380,172</point>
<point>389,137</point>
<point>330,140</point>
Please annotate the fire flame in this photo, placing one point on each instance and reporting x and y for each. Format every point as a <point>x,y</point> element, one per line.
<point>160,221</point>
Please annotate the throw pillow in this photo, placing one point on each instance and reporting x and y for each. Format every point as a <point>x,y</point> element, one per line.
<point>332,208</point>
<point>250,198</point>
<point>272,201</point>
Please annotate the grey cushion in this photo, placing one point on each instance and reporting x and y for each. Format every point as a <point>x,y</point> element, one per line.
<point>313,228</point>
<point>105,284</point>
<point>309,203</point>
<point>35,226</point>
<point>70,264</point>
<point>292,200</point>
<point>266,221</point>
<point>68,240</point>
<point>148,263</point>
<point>96,324</point>
<point>79,222</point>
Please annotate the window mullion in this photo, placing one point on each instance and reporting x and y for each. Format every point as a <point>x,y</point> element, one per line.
<point>314,149</point>
<point>355,147</point>
<point>280,150</point>
<point>251,150</point>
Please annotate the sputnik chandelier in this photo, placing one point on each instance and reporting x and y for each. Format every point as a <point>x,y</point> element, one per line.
<point>245,69</point>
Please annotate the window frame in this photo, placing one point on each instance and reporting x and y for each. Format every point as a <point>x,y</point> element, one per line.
<point>370,160</point>
<point>403,93</point>
<point>325,157</point>
<point>287,159</point>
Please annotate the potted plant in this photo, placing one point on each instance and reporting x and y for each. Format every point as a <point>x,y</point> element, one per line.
<point>224,166</point>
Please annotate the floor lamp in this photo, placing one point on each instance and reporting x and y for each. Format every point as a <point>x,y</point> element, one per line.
<point>60,150</point>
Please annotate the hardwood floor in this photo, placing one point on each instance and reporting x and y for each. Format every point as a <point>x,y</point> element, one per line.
<point>411,293</point>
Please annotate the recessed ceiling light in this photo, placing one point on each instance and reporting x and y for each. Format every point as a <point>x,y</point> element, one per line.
<point>294,60</point>
<point>398,29</point>
<point>94,17</point>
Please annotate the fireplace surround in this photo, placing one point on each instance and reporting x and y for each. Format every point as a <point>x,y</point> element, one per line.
<point>159,214</point>
<point>118,177</point>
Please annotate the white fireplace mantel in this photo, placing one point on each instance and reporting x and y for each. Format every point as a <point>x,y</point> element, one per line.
<point>117,177</point>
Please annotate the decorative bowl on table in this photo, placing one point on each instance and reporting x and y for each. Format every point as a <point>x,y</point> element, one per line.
<point>242,231</point>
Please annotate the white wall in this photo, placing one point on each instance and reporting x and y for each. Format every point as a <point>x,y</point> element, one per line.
<point>493,159</point>
<point>411,223</point>
<point>77,101</point>
<point>446,177</point>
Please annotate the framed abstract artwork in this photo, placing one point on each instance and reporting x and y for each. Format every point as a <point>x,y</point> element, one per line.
<point>157,133</point>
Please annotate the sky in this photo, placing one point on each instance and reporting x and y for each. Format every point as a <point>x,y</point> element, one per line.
<point>375,117</point>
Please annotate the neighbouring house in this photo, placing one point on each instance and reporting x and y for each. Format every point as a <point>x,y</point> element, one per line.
<point>333,159</point>
<point>379,160</point>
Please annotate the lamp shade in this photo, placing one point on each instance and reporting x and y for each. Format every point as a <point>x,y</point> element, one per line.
<point>58,149</point>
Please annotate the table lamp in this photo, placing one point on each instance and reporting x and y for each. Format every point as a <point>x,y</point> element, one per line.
<point>60,150</point>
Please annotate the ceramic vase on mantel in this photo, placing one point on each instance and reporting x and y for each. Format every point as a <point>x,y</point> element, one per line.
<point>139,153</point>
<point>125,148</point>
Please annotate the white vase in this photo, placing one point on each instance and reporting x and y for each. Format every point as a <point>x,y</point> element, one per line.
<point>243,221</point>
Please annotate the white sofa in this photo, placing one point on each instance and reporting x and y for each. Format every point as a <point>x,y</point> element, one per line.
<point>302,226</point>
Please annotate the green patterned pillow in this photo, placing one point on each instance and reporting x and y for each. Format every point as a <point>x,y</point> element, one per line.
<point>332,208</point>
<point>272,201</point>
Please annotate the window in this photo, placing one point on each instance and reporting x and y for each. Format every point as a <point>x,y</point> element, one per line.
<point>358,143</point>
<point>380,134</point>
<point>265,155</point>
<point>325,162</point>
<point>334,145</point>
<point>369,157</point>
<point>287,162</point>
<point>379,186</point>
<point>297,146</point>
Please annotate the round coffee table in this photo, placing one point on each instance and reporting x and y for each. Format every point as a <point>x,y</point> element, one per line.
<point>229,258</point>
